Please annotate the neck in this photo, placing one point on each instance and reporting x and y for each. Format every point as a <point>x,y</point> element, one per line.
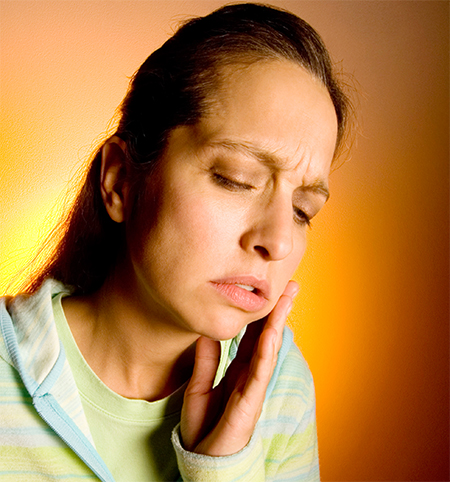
<point>135,353</point>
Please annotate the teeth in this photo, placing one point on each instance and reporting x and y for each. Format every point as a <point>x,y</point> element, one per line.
<point>245,287</point>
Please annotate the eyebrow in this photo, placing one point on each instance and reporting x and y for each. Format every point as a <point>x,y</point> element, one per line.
<point>272,162</point>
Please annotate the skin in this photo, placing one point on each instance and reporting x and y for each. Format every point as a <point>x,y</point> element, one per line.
<point>232,196</point>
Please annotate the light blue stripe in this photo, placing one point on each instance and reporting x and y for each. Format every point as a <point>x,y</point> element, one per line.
<point>304,399</point>
<point>241,476</point>
<point>295,476</point>
<point>296,456</point>
<point>291,420</point>
<point>9,337</point>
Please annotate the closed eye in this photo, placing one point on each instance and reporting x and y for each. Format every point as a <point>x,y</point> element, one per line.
<point>230,184</point>
<point>301,217</point>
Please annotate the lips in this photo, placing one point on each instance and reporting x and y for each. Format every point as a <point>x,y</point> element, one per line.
<point>237,290</point>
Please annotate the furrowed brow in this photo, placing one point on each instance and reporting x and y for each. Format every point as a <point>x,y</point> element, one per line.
<point>272,162</point>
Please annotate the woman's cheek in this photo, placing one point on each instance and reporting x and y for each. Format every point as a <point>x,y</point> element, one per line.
<point>209,219</point>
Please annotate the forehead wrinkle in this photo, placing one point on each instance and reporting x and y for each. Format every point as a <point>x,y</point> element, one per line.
<point>317,185</point>
<point>273,162</point>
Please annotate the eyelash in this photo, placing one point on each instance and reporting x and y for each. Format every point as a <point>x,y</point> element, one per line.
<point>229,184</point>
<point>300,216</point>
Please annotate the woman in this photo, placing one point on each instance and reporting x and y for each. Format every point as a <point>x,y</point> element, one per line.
<point>127,358</point>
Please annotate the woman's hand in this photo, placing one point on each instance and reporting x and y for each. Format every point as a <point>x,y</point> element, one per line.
<point>221,421</point>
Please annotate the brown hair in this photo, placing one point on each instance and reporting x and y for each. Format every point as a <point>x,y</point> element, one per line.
<point>174,87</point>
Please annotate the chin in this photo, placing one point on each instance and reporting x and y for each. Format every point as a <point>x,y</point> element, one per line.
<point>223,332</point>
<point>227,326</point>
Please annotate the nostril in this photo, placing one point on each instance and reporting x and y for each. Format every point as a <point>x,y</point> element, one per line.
<point>262,251</point>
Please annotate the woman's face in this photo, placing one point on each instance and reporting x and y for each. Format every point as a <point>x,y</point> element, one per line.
<point>222,226</point>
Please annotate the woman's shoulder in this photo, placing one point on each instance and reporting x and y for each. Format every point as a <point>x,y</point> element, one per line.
<point>28,331</point>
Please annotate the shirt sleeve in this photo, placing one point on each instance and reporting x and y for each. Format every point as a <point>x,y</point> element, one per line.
<point>300,460</point>
<point>247,465</point>
<point>288,423</point>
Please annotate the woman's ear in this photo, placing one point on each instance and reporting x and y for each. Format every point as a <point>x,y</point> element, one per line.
<point>113,178</point>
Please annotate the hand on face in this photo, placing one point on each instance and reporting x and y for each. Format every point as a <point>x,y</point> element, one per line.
<point>220,421</point>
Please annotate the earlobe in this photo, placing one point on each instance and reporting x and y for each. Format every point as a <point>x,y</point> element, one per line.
<point>113,182</point>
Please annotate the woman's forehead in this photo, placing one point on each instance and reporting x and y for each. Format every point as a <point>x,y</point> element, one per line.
<point>274,110</point>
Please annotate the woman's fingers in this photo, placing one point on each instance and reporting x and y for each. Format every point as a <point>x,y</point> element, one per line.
<point>260,372</point>
<point>198,410</point>
<point>277,318</point>
<point>291,289</point>
<point>263,360</point>
<point>244,386</point>
<point>250,375</point>
<point>237,424</point>
<point>207,357</point>
<point>255,329</point>
<point>265,356</point>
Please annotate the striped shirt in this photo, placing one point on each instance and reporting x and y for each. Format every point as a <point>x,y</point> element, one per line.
<point>44,434</point>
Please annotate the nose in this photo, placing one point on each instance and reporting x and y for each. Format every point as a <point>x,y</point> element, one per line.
<point>271,232</point>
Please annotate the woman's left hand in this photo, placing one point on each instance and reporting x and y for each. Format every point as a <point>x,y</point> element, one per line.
<point>220,421</point>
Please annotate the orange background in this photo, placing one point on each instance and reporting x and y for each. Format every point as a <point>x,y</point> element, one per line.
<point>372,317</point>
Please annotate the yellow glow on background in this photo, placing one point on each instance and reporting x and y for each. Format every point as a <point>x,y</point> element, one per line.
<point>372,316</point>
